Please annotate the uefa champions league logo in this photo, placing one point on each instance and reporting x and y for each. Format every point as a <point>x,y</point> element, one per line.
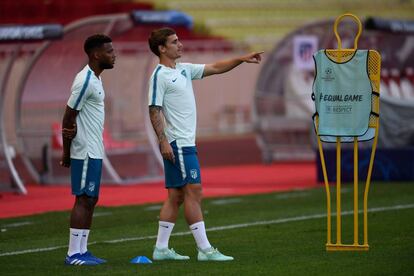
<point>329,74</point>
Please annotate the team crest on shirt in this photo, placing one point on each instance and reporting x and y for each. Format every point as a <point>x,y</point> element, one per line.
<point>184,73</point>
<point>194,173</point>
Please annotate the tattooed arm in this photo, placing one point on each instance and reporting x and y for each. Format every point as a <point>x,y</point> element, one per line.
<point>158,125</point>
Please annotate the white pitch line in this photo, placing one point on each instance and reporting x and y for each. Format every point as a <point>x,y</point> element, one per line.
<point>17,224</point>
<point>35,250</point>
<point>153,208</point>
<point>102,214</point>
<point>226,201</point>
<point>218,228</point>
<point>292,195</point>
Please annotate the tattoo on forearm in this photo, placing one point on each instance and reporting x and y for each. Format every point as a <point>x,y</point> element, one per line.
<point>157,122</point>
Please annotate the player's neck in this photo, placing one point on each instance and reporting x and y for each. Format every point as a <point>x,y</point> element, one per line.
<point>167,62</point>
<point>95,68</point>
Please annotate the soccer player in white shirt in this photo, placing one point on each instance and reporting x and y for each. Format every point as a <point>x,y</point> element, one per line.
<point>171,92</point>
<point>83,149</point>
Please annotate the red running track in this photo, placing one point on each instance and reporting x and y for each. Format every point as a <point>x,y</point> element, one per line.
<point>217,182</point>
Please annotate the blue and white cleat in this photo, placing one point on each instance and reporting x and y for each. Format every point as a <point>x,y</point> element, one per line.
<point>78,259</point>
<point>212,254</point>
<point>88,255</point>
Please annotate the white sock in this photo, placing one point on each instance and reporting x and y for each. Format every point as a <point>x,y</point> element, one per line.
<point>84,241</point>
<point>199,232</point>
<point>164,231</point>
<point>75,236</point>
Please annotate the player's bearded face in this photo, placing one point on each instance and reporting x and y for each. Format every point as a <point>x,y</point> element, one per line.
<point>107,56</point>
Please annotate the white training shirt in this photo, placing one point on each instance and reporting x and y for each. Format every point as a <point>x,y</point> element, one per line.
<point>88,98</point>
<point>172,89</point>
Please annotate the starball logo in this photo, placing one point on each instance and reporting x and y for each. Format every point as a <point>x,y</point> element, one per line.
<point>328,74</point>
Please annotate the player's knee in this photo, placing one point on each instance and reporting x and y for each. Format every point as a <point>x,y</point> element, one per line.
<point>180,200</point>
<point>86,202</point>
<point>176,199</point>
<point>92,201</point>
<point>195,193</point>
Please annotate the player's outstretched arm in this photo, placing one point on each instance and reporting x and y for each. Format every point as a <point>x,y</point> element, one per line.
<point>68,133</point>
<point>223,66</point>
<point>158,125</point>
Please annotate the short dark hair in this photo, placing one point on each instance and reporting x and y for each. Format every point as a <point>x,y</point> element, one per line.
<point>95,41</point>
<point>159,37</point>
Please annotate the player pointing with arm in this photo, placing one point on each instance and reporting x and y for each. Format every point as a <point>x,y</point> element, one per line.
<point>171,93</point>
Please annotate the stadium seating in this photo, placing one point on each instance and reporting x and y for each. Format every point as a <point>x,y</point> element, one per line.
<point>261,23</point>
<point>61,11</point>
<point>398,85</point>
<point>258,24</point>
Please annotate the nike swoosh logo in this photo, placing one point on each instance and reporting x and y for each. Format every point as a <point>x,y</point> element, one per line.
<point>75,235</point>
<point>174,80</point>
<point>195,228</point>
<point>164,226</point>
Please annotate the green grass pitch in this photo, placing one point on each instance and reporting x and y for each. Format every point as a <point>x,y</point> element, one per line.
<point>271,234</point>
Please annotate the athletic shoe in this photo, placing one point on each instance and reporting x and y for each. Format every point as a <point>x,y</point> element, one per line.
<point>167,254</point>
<point>88,255</point>
<point>78,259</point>
<point>212,254</point>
